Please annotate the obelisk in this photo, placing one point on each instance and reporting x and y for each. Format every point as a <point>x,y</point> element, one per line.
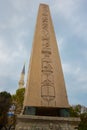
<point>45,104</point>
<point>45,84</point>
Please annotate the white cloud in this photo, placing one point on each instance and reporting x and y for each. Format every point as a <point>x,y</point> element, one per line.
<point>70,10</point>
<point>11,58</point>
<point>67,68</point>
<point>13,22</point>
<point>76,83</point>
<point>78,74</point>
<point>84,53</point>
<point>3,54</point>
<point>64,7</point>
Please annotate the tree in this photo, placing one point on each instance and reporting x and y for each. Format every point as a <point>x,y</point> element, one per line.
<point>18,99</point>
<point>20,96</point>
<point>76,111</point>
<point>5,102</point>
<point>83,123</point>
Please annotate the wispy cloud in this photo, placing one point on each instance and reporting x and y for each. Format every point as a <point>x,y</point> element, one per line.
<point>73,13</point>
<point>76,82</point>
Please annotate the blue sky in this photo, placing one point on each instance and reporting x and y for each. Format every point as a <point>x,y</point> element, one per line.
<point>17,25</point>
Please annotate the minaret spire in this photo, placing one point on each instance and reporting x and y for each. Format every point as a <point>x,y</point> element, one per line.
<point>21,81</point>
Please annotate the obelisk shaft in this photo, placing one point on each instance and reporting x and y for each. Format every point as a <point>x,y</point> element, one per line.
<point>45,83</point>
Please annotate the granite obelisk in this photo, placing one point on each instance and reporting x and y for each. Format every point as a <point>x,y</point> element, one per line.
<point>45,104</point>
<point>45,83</point>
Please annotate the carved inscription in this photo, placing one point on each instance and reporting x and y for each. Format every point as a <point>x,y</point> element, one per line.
<point>47,75</point>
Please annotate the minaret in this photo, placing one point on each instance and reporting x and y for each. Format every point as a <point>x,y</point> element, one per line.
<point>45,91</point>
<point>21,81</point>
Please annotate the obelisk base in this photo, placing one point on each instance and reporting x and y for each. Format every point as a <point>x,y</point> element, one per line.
<point>28,122</point>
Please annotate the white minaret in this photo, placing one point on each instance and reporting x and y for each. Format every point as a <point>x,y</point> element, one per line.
<point>21,81</point>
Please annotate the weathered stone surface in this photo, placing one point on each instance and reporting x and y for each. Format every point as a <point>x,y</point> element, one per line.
<point>45,83</point>
<point>27,122</point>
<point>45,90</point>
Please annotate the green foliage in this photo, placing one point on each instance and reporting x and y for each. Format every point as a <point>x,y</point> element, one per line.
<point>83,123</point>
<point>73,113</point>
<point>20,96</point>
<point>13,97</point>
<point>5,102</point>
<point>18,99</point>
<point>76,112</point>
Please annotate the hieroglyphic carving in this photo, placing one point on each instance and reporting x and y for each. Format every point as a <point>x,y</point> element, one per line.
<point>47,76</point>
<point>46,66</point>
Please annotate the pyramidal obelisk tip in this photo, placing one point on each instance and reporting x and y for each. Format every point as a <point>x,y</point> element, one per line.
<point>43,4</point>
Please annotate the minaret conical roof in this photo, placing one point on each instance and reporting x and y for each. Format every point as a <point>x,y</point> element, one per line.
<point>23,70</point>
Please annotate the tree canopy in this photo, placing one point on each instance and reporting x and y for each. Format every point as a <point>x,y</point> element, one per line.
<point>5,102</point>
<point>79,111</point>
<point>18,99</point>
